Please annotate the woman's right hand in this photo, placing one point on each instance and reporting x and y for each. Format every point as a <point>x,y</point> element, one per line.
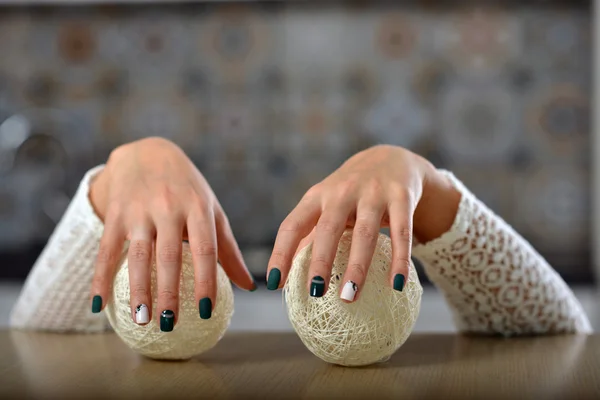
<point>151,194</point>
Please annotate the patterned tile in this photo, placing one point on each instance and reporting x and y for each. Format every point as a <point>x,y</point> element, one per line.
<point>479,123</point>
<point>560,121</point>
<point>396,118</point>
<point>558,41</point>
<point>268,99</point>
<point>480,41</point>
<point>553,207</point>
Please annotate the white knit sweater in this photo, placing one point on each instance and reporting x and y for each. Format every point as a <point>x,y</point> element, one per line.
<point>493,280</point>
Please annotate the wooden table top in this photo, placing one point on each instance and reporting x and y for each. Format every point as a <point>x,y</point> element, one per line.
<point>273,366</point>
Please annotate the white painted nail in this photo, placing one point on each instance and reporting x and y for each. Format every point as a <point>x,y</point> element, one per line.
<point>349,291</point>
<point>141,314</point>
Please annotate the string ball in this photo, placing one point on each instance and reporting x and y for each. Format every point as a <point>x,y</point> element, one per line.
<point>191,335</point>
<point>366,331</point>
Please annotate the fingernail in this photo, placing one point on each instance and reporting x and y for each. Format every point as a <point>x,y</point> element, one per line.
<point>399,282</point>
<point>141,314</point>
<point>254,287</point>
<point>317,286</point>
<point>96,304</point>
<point>349,291</point>
<point>274,278</point>
<point>167,321</point>
<point>205,308</point>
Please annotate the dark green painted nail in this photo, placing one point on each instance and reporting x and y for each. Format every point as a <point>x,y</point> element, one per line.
<point>167,321</point>
<point>97,304</point>
<point>399,282</point>
<point>254,287</point>
<point>274,278</point>
<point>205,308</point>
<point>317,286</point>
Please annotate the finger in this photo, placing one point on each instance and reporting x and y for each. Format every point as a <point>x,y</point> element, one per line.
<point>305,242</point>
<point>203,246</point>
<point>109,255</point>
<point>139,259</point>
<point>401,216</point>
<point>364,240</point>
<point>293,229</point>
<point>229,253</point>
<point>168,270</point>
<point>329,230</point>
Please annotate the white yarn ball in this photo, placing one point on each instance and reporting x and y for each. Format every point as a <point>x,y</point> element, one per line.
<point>191,335</point>
<point>366,331</point>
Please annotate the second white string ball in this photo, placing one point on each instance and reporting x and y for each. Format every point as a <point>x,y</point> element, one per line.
<point>364,332</point>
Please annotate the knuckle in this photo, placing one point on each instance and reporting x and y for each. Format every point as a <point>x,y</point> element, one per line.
<point>204,248</point>
<point>313,192</point>
<point>365,231</point>
<point>165,203</point>
<point>382,147</point>
<point>403,194</point>
<point>140,252</point>
<point>321,262</point>
<point>290,225</point>
<point>279,255</point>
<point>404,234</point>
<point>105,255</point>
<point>136,212</point>
<point>117,153</point>
<point>158,140</point>
<point>346,188</point>
<point>206,283</point>
<point>201,213</point>
<point>329,226</point>
<point>357,272</point>
<point>168,295</point>
<point>397,189</point>
<point>402,262</point>
<point>200,204</point>
<point>114,211</point>
<point>169,253</point>
<point>100,281</point>
<point>138,291</point>
<point>374,188</point>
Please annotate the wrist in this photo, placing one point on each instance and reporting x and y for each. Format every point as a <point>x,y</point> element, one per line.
<point>437,207</point>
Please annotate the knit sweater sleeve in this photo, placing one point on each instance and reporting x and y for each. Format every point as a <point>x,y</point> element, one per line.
<point>492,278</point>
<point>56,294</point>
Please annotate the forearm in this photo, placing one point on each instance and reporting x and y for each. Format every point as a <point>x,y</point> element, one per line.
<point>493,280</point>
<point>437,207</point>
<point>56,293</point>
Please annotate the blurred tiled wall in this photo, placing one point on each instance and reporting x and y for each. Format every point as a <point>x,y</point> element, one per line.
<point>268,99</point>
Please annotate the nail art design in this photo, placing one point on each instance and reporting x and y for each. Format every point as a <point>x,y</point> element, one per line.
<point>399,282</point>
<point>273,279</point>
<point>317,286</point>
<point>349,291</point>
<point>96,304</point>
<point>167,321</point>
<point>141,314</point>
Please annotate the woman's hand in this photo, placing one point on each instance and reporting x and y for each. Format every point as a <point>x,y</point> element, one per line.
<point>383,186</point>
<point>151,194</point>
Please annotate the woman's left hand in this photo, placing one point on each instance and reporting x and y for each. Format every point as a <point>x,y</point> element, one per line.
<point>384,186</point>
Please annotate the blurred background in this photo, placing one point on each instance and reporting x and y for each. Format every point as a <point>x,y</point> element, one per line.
<point>268,98</point>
